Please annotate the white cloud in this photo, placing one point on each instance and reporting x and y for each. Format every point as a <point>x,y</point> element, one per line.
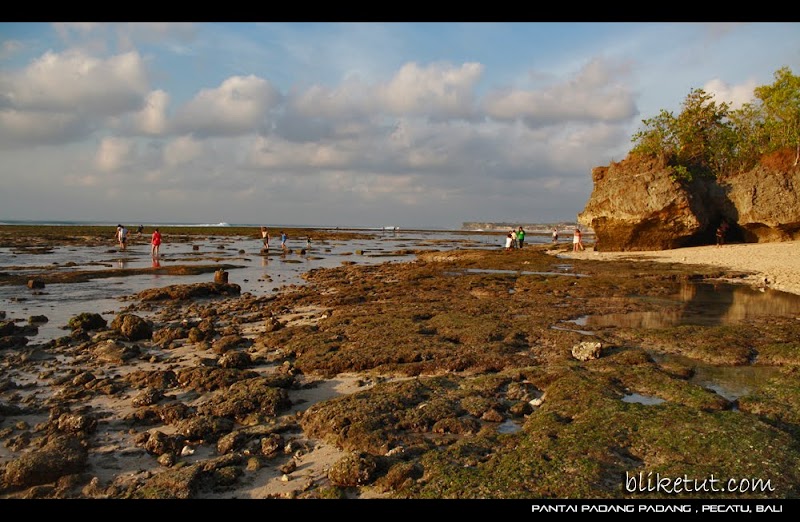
<point>437,91</point>
<point>735,95</point>
<point>238,106</point>
<point>351,99</point>
<point>277,153</point>
<point>22,129</point>
<point>593,94</point>
<point>152,119</point>
<point>181,150</point>
<point>76,82</point>
<point>113,154</point>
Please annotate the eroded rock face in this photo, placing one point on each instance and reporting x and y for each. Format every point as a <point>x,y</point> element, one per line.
<point>635,205</point>
<point>765,203</point>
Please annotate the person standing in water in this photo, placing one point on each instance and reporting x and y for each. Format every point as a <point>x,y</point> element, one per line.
<point>265,237</point>
<point>284,237</point>
<point>155,243</point>
<point>122,236</point>
<point>520,237</point>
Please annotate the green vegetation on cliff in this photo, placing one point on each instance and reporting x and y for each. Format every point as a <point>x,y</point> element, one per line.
<point>709,139</point>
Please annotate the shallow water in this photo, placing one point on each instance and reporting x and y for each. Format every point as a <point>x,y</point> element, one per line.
<point>509,426</point>
<point>730,382</point>
<point>257,274</point>
<point>704,304</point>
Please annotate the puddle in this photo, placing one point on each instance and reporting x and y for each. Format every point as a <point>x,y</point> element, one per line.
<point>584,332</point>
<point>706,304</point>
<point>509,426</point>
<point>642,399</point>
<point>730,382</point>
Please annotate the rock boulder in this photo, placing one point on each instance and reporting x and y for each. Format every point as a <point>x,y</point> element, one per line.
<point>637,205</point>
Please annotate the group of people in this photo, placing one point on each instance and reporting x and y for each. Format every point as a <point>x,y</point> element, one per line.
<point>577,240</point>
<point>265,237</point>
<point>155,239</point>
<point>515,238</point>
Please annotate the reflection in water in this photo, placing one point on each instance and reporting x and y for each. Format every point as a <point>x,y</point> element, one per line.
<point>730,382</point>
<point>707,304</point>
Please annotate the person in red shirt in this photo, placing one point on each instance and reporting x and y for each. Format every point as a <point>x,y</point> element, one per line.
<point>155,242</point>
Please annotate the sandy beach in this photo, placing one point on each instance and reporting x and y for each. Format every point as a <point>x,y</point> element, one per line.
<point>773,265</point>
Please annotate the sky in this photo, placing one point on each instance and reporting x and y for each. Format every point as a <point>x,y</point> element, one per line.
<point>409,124</point>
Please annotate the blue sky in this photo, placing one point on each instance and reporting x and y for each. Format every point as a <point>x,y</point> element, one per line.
<point>412,124</point>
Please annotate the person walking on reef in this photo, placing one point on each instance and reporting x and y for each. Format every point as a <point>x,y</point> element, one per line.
<point>513,238</point>
<point>509,242</point>
<point>284,237</point>
<point>555,235</point>
<point>577,240</point>
<point>520,236</point>
<point>155,244</point>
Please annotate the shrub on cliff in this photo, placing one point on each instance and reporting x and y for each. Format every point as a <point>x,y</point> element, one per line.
<point>710,139</point>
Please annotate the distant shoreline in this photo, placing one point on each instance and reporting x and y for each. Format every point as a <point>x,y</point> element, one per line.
<point>530,228</point>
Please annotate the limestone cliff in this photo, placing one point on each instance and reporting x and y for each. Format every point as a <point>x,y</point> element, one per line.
<point>636,205</point>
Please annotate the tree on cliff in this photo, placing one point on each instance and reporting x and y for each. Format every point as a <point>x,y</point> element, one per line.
<point>692,141</point>
<point>707,138</point>
<point>781,102</point>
